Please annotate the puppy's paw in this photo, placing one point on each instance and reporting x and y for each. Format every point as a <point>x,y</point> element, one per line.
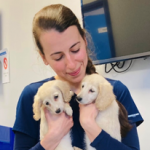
<point>68,110</point>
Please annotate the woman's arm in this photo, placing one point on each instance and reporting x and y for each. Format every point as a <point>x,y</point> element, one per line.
<point>99,138</point>
<point>106,142</point>
<point>88,123</point>
<point>59,125</point>
<point>25,142</point>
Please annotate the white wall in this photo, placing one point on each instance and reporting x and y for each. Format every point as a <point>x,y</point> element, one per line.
<point>26,66</point>
<point>25,63</point>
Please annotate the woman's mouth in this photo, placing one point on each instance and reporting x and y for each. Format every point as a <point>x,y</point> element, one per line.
<point>75,73</point>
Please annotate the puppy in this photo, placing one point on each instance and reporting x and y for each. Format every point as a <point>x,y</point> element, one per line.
<point>112,115</point>
<point>54,96</point>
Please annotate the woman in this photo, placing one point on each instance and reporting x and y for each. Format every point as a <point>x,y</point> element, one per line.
<point>62,45</point>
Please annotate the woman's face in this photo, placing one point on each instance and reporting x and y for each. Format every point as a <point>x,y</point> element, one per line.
<point>66,53</point>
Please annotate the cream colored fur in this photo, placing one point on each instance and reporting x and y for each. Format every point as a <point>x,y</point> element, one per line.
<point>53,95</point>
<point>97,89</point>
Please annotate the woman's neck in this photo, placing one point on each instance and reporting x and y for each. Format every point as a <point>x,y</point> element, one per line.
<point>75,87</point>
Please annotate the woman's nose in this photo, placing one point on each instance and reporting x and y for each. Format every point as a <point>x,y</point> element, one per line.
<point>70,63</point>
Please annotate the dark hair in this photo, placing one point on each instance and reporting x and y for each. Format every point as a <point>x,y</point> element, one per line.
<point>123,119</point>
<point>57,17</point>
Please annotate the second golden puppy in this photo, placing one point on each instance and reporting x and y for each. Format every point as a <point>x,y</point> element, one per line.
<point>112,116</point>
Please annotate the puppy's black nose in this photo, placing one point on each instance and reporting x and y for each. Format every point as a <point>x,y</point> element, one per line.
<point>58,110</point>
<point>79,99</point>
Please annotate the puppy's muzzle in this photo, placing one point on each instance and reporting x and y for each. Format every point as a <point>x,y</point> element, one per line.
<point>79,99</point>
<point>58,111</point>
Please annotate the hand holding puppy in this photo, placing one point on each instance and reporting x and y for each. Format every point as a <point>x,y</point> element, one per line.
<point>58,127</point>
<point>88,114</point>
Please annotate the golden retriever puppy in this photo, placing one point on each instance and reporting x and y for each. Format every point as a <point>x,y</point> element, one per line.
<point>96,89</point>
<point>54,96</point>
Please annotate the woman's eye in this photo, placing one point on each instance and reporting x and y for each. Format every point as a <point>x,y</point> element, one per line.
<point>75,51</point>
<point>91,90</point>
<point>59,58</point>
<point>82,86</point>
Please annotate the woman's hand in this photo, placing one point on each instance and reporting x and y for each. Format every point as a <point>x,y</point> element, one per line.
<point>88,114</point>
<point>58,127</point>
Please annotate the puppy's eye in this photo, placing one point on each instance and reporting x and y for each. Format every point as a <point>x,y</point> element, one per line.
<point>82,86</point>
<point>91,91</point>
<point>56,97</point>
<point>47,103</point>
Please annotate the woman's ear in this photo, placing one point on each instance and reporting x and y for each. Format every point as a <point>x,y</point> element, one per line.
<point>43,58</point>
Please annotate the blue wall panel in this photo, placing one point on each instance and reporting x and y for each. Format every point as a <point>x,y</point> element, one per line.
<point>6,138</point>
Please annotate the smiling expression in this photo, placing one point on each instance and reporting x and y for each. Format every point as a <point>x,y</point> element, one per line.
<point>66,53</point>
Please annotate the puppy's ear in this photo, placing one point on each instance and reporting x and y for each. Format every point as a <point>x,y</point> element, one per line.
<point>105,96</point>
<point>65,90</point>
<point>36,107</point>
<point>67,95</point>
